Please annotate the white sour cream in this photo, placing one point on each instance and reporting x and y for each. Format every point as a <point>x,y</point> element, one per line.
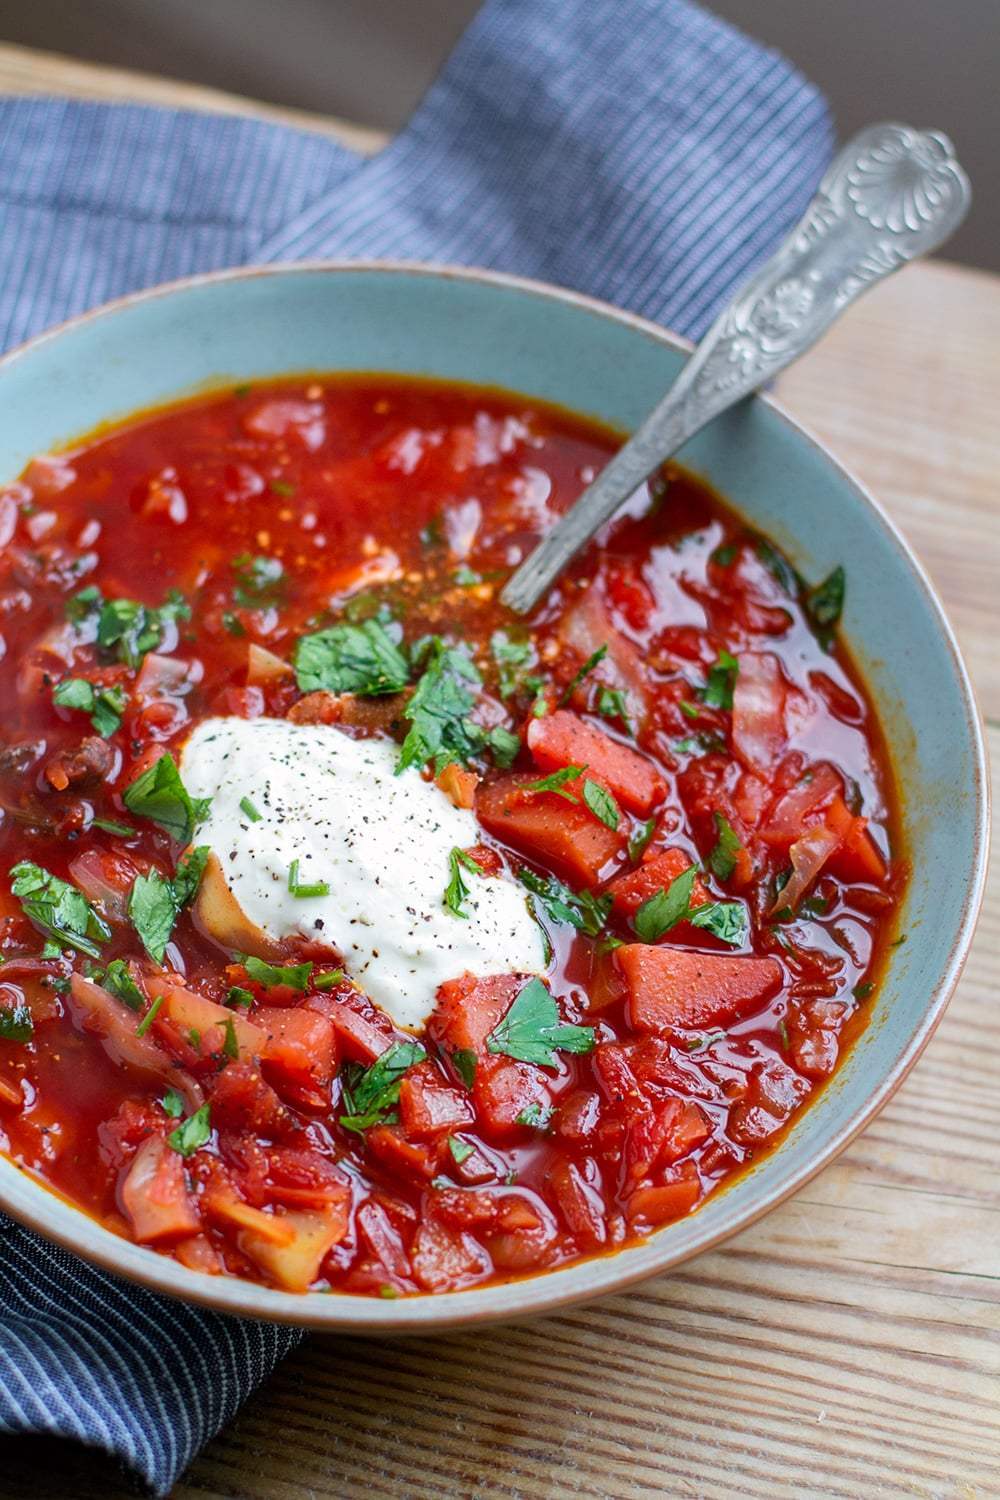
<point>381,842</point>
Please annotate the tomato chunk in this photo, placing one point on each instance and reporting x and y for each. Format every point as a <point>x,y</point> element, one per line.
<point>857,858</point>
<point>564,739</point>
<point>669,987</point>
<point>427,1106</point>
<point>564,835</point>
<point>630,891</point>
<point>300,1051</point>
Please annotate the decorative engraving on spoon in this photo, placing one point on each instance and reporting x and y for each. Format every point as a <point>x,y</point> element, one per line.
<point>893,193</point>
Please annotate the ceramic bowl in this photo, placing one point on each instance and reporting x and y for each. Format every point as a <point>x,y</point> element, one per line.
<point>496,330</point>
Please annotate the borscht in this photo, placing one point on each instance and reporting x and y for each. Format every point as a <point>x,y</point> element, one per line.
<point>359,935</point>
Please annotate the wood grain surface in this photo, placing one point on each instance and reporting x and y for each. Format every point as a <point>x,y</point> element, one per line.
<point>847,1347</point>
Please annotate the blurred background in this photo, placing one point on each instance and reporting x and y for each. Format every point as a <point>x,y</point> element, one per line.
<point>370,60</point>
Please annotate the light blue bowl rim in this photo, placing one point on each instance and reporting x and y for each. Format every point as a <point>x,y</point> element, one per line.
<point>44,1210</point>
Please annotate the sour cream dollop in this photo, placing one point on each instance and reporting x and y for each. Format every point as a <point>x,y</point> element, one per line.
<point>380,842</point>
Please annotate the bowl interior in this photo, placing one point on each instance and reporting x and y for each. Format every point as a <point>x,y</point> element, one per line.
<point>551,345</point>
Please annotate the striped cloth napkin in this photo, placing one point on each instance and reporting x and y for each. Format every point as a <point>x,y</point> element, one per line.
<point>645,152</point>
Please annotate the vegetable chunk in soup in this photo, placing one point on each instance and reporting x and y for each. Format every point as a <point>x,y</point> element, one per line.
<point>359,935</point>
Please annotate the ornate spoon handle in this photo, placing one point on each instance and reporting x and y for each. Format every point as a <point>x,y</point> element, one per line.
<point>891,195</point>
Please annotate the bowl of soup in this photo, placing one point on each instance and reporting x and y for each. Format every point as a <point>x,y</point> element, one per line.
<point>374,957</point>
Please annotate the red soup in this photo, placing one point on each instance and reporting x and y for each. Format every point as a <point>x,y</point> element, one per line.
<point>359,935</point>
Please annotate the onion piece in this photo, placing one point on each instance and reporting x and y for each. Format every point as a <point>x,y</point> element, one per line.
<point>808,856</point>
<point>263,666</point>
<point>759,710</point>
<point>107,1018</point>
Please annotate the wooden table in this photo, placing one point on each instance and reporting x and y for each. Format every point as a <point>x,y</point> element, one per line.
<point>848,1345</point>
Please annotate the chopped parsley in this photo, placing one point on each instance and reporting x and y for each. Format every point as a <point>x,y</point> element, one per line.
<point>295,976</point>
<point>532,1032</point>
<point>726,920</point>
<point>578,677</point>
<point>556,782</point>
<point>248,809</point>
<point>505,745</point>
<point>438,713</point>
<point>725,555</point>
<point>126,629</point>
<point>466,577</point>
<point>460,1150</point>
<point>230,1046</point>
<point>464,1063</point>
<point>192,1133</point>
<point>149,1017</point>
<point>155,901</point>
<point>105,705</point>
<point>239,998</point>
<point>172,1104</point>
<point>510,655</point>
<point>117,978</point>
<point>349,658</point>
<point>601,804</point>
<point>456,890</point>
<point>369,1096</point>
<point>328,980</point>
<point>665,908</point>
<point>703,1042</point>
<point>282,488</point>
<point>58,908</point>
<point>160,795</point>
<point>862,991</point>
<point>718,689</point>
<point>640,839</point>
<point>258,579</point>
<point>16,1024</point>
<point>121,830</point>
<point>535,1115</point>
<point>612,703</point>
<point>583,910</point>
<point>305,890</point>
<point>689,710</point>
<point>825,604</point>
<point>723,858</point>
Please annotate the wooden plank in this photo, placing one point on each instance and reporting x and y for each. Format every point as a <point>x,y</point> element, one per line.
<point>848,1345</point>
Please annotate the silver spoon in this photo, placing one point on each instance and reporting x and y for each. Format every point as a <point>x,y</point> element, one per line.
<point>892,194</point>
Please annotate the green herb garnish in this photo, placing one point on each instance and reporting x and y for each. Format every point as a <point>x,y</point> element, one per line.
<point>464,1063</point>
<point>105,705</point>
<point>456,890</point>
<point>248,809</point>
<point>532,1032</point>
<point>556,782</point>
<point>578,677</point>
<point>117,978</point>
<point>295,976</point>
<point>239,998</point>
<point>121,830</point>
<point>350,659</point>
<point>258,578</point>
<point>640,839</point>
<point>192,1133</point>
<point>718,689</point>
<point>16,1024</point>
<point>535,1115</point>
<point>510,655</point>
<point>440,729</point>
<point>172,1104</point>
<point>149,1017</point>
<point>584,911</point>
<point>328,980</point>
<point>160,795</point>
<point>460,1150</point>
<point>58,908</point>
<point>723,858</point>
<point>825,603</point>
<point>155,901</point>
<point>612,703</point>
<point>665,908</point>
<point>370,1096</point>
<point>601,804</point>
<point>304,890</point>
